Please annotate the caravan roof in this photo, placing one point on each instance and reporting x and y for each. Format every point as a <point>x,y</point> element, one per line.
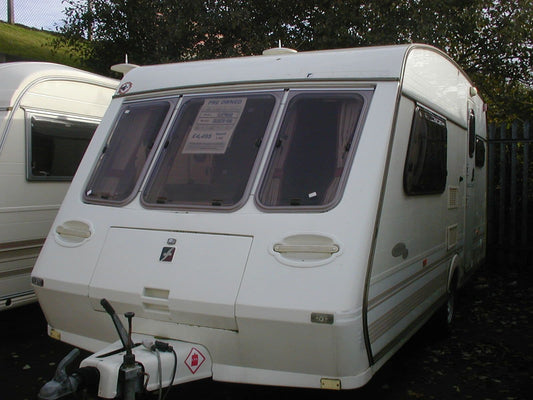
<point>380,63</point>
<point>368,63</point>
<point>19,76</point>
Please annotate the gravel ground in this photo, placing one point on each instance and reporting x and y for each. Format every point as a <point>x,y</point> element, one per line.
<point>489,354</point>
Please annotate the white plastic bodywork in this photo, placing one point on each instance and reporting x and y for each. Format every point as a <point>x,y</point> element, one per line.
<point>27,209</point>
<point>259,322</point>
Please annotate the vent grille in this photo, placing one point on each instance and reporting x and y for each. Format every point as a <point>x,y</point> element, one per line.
<point>451,236</point>
<point>453,197</point>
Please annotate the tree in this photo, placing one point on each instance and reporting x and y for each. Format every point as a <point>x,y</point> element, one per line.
<point>148,31</point>
<point>492,40</point>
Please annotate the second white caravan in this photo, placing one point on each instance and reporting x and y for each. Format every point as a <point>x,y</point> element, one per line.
<point>48,114</point>
<point>285,219</point>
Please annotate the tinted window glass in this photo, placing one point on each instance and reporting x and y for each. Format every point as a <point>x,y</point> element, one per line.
<point>124,156</point>
<point>311,150</point>
<point>425,166</point>
<point>480,153</point>
<point>57,145</point>
<point>210,152</point>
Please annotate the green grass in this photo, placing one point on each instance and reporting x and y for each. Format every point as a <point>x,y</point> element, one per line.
<point>30,44</point>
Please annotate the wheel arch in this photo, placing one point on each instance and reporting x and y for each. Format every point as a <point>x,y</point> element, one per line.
<point>455,272</point>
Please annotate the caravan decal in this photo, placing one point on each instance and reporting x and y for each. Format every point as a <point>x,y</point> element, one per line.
<point>124,88</point>
<point>167,254</point>
<point>194,360</point>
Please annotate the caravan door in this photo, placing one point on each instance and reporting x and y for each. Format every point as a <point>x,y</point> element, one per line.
<point>476,188</point>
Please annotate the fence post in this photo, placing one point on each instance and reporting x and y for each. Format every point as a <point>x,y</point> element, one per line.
<point>10,12</point>
<point>501,203</point>
<point>491,187</point>
<point>513,198</point>
<point>525,177</point>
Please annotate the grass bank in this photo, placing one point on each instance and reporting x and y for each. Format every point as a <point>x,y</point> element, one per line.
<point>22,43</point>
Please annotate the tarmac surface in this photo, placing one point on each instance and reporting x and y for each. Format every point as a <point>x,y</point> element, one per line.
<point>488,355</point>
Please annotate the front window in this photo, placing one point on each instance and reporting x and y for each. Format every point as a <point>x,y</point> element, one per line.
<point>210,152</point>
<point>125,154</point>
<point>312,150</point>
<point>56,145</point>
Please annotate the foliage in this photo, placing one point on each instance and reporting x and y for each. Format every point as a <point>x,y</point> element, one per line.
<point>147,31</point>
<point>491,39</point>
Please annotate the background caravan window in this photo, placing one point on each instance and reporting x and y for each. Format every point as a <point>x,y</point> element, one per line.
<point>312,150</point>
<point>56,146</point>
<point>210,152</point>
<point>425,166</point>
<point>124,156</point>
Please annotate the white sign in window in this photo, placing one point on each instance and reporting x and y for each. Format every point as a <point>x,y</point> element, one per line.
<point>214,125</point>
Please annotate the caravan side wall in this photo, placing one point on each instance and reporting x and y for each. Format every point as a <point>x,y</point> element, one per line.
<point>47,123</point>
<point>422,236</point>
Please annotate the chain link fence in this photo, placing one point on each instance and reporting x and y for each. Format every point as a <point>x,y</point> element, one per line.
<point>41,14</point>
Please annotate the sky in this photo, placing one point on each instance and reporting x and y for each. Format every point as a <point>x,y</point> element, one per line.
<point>40,14</point>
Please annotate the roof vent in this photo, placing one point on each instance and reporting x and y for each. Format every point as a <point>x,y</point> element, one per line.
<point>278,50</point>
<point>124,67</point>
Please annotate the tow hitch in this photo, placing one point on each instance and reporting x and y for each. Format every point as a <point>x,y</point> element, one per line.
<point>63,385</point>
<point>129,367</point>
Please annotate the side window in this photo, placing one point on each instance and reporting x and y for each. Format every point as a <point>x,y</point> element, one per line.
<point>471,134</point>
<point>425,166</point>
<point>56,145</point>
<point>480,153</point>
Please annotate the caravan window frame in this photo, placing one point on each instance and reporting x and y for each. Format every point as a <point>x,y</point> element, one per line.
<point>331,197</point>
<point>471,134</point>
<point>63,119</point>
<point>98,171</point>
<point>417,177</point>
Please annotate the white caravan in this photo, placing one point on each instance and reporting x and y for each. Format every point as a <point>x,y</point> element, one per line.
<point>48,113</point>
<point>285,219</point>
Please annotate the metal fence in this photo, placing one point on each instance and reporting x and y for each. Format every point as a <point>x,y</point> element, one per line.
<point>510,192</point>
<point>40,14</point>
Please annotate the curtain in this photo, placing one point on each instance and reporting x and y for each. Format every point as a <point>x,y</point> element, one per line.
<point>348,116</point>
